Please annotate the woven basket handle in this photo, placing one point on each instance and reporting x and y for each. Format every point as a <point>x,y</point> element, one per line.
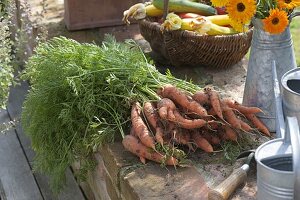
<point>166,9</point>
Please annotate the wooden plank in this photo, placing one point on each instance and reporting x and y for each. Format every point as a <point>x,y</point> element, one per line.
<point>15,173</point>
<point>72,190</point>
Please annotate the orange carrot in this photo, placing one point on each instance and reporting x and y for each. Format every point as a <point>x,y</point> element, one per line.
<point>168,111</point>
<point>132,132</point>
<point>151,114</point>
<point>142,159</point>
<point>189,123</point>
<point>214,101</point>
<point>140,128</point>
<point>165,108</point>
<point>159,133</point>
<point>153,119</point>
<point>245,126</point>
<point>258,124</point>
<point>214,125</point>
<point>230,117</point>
<point>133,145</point>
<point>211,112</point>
<point>202,143</point>
<point>242,109</point>
<point>180,136</point>
<point>211,138</point>
<point>170,126</point>
<point>215,139</point>
<point>201,97</point>
<point>230,134</point>
<point>182,99</point>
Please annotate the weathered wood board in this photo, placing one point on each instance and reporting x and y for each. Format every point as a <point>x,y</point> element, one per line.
<point>17,180</point>
<point>72,190</point>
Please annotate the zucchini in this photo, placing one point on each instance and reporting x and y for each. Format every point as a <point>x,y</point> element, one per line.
<point>186,6</point>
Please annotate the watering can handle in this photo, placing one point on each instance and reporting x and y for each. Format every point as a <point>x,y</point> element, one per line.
<point>293,129</point>
<point>294,15</point>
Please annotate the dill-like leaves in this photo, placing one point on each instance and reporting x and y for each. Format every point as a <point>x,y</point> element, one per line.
<point>81,97</point>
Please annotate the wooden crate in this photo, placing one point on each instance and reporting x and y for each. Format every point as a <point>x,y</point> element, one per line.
<point>84,14</point>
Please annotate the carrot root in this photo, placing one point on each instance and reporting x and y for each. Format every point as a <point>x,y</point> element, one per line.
<point>201,97</point>
<point>244,126</point>
<point>214,101</point>
<point>133,145</point>
<point>159,135</point>
<point>231,118</point>
<point>151,114</point>
<point>182,99</point>
<point>140,128</point>
<point>242,109</point>
<point>167,105</point>
<point>202,143</point>
<point>230,134</point>
<point>258,124</point>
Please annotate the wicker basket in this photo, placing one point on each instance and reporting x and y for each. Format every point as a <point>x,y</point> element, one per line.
<point>186,48</point>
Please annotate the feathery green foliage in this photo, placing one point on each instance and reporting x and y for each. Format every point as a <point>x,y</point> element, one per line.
<point>81,97</point>
<point>6,68</point>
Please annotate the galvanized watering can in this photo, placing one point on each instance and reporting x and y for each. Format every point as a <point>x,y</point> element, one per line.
<point>265,48</point>
<point>278,160</point>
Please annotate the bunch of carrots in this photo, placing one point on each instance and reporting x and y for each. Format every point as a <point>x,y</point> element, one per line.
<point>200,120</point>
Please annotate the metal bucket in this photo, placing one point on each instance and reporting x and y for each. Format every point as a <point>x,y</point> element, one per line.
<point>278,161</point>
<point>274,175</point>
<point>291,93</point>
<point>265,48</point>
<point>278,166</point>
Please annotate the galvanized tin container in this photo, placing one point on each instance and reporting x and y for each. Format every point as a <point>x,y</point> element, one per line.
<point>291,93</point>
<point>265,48</point>
<point>278,161</point>
<point>278,166</point>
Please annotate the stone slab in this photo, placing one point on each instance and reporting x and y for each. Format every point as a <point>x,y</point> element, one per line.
<point>152,182</point>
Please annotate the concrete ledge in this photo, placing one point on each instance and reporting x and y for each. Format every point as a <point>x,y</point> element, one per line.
<point>120,175</point>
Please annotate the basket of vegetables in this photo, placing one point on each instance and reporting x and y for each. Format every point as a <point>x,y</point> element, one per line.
<point>189,33</point>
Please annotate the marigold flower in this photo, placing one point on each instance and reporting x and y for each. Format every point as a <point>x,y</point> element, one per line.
<point>241,10</point>
<point>288,4</point>
<point>239,27</point>
<point>276,22</point>
<point>219,3</point>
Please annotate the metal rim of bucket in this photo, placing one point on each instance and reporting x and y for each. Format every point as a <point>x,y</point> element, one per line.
<point>258,161</point>
<point>284,80</point>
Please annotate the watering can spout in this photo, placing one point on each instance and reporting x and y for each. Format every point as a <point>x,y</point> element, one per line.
<point>280,125</point>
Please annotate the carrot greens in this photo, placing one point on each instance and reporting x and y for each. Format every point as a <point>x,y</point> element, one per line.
<point>81,97</point>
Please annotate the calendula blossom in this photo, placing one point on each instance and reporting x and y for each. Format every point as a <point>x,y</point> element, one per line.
<point>219,3</point>
<point>288,4</point>
<point>239,27</point>
<point>276,22</point>
<point>241,10</point>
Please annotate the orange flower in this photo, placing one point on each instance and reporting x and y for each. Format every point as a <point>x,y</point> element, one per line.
<point>276,22</point>
<point>288,4</point>
<point>219,3</point>
<point>239,27</point>
<point>241,10</point>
